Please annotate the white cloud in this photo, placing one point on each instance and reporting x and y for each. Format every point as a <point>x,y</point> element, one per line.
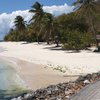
<point>57,10</point>
<point>6,20</point>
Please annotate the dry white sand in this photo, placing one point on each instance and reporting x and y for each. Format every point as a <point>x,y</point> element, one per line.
<point>73,63</point>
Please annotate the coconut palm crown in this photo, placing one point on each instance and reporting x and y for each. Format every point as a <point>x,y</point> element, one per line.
<point>19,23</point>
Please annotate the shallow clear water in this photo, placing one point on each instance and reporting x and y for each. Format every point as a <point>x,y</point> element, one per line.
<point>10,85</point>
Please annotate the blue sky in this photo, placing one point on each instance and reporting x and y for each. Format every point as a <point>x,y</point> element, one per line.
<point>12,5</point>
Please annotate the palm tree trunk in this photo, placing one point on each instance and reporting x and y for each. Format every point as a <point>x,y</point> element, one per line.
<point>48,42</point>
<point>57,44</point>
<point>37,39</point>
<point>57,41</point>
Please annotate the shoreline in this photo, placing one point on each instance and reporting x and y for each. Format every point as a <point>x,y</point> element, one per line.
<point>10,63</point>
<point>36,76</point>
<point>67,91</point>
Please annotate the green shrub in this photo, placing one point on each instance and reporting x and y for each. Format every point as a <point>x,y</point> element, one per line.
<point>75,40</point>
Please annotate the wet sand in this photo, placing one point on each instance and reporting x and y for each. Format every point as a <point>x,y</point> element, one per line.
<point>35,76</point>
<point>39,76</point>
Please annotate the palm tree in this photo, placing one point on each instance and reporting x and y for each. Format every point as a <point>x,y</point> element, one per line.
<point>43,22</point>
<point>49,28</point>
<point>88,9</point>
<point>20,23</point>
<point>38,12</point>
<point>20,28</point>
<point>47,24</point>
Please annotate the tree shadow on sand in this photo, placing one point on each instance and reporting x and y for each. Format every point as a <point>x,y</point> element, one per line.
<point>54,48</point>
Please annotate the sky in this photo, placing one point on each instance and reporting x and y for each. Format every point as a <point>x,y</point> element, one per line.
<point>9,9</point>
<point>13,5</point>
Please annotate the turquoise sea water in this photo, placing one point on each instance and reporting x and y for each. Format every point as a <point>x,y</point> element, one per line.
<point>10,84</point>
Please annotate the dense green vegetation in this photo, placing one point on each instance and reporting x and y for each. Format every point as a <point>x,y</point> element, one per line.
<point>74,31</point>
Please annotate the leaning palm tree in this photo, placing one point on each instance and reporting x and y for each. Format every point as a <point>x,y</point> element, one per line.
<point>38,12</point>
<point>20,23</point>
<point>89,9</point>
<point>49,28</point>
<point>47,24</point>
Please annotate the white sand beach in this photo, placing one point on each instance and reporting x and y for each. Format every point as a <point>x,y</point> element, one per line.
<point>34,76</point>
<point>34,61</point>
<point>74,63</point>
